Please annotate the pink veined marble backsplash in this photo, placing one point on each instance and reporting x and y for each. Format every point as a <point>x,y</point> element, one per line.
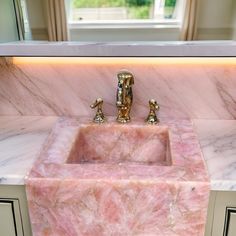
<point>198,90</point>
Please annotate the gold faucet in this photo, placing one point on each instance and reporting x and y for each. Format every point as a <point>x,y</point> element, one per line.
<point>99,117</point>
<point>124,96</point>
<point>152,117</point>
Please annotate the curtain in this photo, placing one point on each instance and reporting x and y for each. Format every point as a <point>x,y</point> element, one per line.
<point>19,19</point>
<point>189,25</point>
<point>56,20</point>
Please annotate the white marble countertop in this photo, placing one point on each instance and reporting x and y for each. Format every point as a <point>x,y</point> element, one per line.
<point>22,137</point>
<point>218,143</point>
<point>20,141</point>
<point>126,49</point>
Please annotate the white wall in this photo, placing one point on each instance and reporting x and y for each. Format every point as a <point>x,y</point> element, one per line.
<point>107,35</point>
<point>234,23</point>
<point>37,19</point>
<point>215,19</point>
<point>8,28</point>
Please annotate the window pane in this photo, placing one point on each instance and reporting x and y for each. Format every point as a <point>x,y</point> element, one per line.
<point>26,21</point>
<point>90,10</point>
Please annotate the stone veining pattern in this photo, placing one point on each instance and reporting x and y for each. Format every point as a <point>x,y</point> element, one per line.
<point>20,142</point>
<point>118,199</point>
<point>102,199</point>
<point>198,91</point>
<point>218,143</point>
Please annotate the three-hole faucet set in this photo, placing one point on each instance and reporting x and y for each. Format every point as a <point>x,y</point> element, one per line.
<point>124,99</point>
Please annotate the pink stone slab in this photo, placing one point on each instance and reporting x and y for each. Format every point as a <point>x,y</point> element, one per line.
<point>197,90</point>
<point>121,144</point>
<point>76,189</point>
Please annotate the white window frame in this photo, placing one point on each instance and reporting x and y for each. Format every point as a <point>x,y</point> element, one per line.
<point>127,24</point>
<point>172,25</point>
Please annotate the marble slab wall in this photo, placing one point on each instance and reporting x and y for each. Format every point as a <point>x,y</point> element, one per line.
<point>184,87</point>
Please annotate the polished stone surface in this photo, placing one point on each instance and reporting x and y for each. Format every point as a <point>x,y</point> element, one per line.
<point>27,134</point>
<point>126,198</point>
<point>218,143</point>
<point>137,49</point>
<point>112,143</point>
<point>21,139</point>
<point>202,88</point>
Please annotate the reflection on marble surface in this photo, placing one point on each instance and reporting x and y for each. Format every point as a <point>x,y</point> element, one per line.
<point>20,141</point>
<point>218,143</point>
<point>197,91</point>
<point>118,199</point>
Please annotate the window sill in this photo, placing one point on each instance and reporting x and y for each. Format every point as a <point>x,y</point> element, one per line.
<point>170,24</point>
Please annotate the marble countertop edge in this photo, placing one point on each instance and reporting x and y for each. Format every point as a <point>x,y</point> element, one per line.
<point>119,49</point>
<point>223,185</point>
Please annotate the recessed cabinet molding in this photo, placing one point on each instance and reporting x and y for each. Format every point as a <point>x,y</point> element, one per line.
<point>10,218</point>
<point>14,218</point>
<point>230,221</point>
<point>221,218</point>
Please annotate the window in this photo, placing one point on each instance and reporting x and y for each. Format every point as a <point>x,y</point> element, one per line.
<point>112,19</point>
<point>26,21</point>
<point>124,11</point>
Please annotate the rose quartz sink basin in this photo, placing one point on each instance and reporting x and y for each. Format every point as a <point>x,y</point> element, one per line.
<point>119,179</point>
<point>121,144</point>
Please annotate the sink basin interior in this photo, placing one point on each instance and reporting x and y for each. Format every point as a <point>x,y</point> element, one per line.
<point>121,144</point>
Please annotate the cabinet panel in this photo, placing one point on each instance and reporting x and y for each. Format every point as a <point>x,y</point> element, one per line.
<point>15,195</point>
<point>222,214</point>
<point>230,222</point>
<point>10,218</point>
<point>7,221</point>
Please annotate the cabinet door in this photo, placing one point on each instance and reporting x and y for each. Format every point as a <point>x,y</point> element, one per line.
<point>222,214</point>
<point>230,222</point>
<point>7,221</point>
<point>10,220</point>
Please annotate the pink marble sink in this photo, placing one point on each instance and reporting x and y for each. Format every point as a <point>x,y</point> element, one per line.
<point>114,179</point>
<point>121,144</point>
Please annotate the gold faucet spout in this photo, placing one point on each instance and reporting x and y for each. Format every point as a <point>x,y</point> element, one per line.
<point>124,96</point>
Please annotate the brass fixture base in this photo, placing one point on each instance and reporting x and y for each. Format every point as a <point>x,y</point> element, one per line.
<point>99,116</point>
<point>123,119</point>
<point>152,117</point>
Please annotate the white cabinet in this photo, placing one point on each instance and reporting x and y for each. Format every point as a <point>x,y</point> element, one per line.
<point>221,218</point>
<point>14,218</point>
<point>230,221</point>
<point>10,218</point>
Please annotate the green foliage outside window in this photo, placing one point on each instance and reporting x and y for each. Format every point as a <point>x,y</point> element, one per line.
<point>98,3</point>
<point>133,3</point>
<point>137,9</point>
<point>111,3</point>
<point>169,8</point>
<point>141,12</point>
<point>170,3</point>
